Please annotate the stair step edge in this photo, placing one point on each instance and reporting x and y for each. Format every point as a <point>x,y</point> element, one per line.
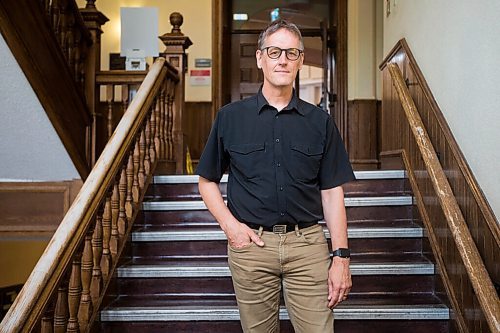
<point>164,271</point>
<point>193,179</point>
<point>349,202</point>
<point>346,312</point>
<point>217,235</point>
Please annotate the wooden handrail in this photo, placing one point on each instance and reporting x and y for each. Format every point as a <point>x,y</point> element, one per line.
<point>67,285</point>
<point>476,271</point>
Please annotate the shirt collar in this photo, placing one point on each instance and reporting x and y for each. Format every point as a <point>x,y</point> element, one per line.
<point>292,105</point>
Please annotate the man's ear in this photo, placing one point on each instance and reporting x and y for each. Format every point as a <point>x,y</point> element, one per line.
<point>258,58</point>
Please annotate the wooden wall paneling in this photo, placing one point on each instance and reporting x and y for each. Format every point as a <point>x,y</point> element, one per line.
<point>363,136</point>
<point>478,215</point>
<point>197,122</point>
<point>31,40</point>
<point>34,209</point>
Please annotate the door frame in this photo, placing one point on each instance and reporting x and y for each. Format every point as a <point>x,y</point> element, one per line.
<point>221,53</point>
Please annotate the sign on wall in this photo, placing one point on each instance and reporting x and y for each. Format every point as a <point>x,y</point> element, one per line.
<point>199,77</point>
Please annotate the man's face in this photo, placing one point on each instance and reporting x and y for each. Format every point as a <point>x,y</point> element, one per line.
<point>280,72</point>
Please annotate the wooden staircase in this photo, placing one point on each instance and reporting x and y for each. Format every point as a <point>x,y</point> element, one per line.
<point>176,276</point>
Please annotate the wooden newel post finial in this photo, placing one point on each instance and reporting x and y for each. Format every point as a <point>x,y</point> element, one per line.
<point>90,4</point>
<point>176,21</point>
<point>176,43</point>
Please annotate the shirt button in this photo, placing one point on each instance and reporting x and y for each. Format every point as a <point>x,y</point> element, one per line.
<point>277,140</point>
<point>282,214</point>
<point>281,188</point>
<point>278,164</point>
<point>276,117</point>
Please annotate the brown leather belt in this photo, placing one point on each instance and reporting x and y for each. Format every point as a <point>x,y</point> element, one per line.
<point>281,228</point>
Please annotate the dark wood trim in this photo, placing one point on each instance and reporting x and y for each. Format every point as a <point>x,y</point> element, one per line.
<point>28,34</point>
<point>34,209</point>
<point>341,113</point>
<point>221,48</point>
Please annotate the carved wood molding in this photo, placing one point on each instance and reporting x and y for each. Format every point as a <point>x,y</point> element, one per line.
<point>27,32</point>
<point>34,209</point>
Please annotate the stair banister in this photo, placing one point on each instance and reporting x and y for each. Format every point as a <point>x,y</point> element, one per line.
<point>476,271</point>
<point>66,287</point>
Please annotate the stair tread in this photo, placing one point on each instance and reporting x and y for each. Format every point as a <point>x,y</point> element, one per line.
<point>218,300</point>
<point>213,225</point>
<point>364,174</point>
<point>222,260</point>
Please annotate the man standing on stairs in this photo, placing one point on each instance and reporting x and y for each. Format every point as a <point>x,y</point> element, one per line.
<point>286,164</point>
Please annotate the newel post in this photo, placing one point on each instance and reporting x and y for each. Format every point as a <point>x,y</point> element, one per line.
<point>175,53</point>
<point>94,20</point>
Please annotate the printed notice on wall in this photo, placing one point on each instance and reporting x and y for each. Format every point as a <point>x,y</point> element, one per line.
<point>199,77</point>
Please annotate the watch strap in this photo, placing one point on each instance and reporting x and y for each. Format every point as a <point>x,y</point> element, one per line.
<point>342,253</point>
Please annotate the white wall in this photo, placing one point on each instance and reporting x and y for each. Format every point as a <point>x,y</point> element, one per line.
<point>456,45</point>
<point>364,42</point>
<point>30,148</point>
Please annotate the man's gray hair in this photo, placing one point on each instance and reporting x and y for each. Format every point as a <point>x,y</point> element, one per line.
<point>277,25</point>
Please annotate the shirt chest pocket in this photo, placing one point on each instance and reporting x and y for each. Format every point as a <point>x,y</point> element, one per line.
<point>248,159</point>
<point>305,161</point>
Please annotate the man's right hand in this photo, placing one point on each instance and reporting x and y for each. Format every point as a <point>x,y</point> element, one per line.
<point>239,235</point>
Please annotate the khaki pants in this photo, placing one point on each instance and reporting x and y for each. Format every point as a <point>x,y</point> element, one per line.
<point>300,259</point>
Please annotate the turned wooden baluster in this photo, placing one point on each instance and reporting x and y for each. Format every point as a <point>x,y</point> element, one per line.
<point>63,27</point>
<point>148,159</point>
<point>47,322</point>
<point>78,55</point>
<point>61,309</point>
<point>142,151</point>
<point>135,184</point>
<point>161,127</point>
<point>125,92</point>
<point>106,260</point>
<point>122,215</point>
<point>130,182</point>
<point>54,9</point>
<point>46,7</point>
<point>74,294</point>
<point>147,143</point>
<point>86,305</point>
<point>157,126</point>
<point>152,123</point>
<point>170,122</point>
<point>97,249</point>
<point>110,94</point>
<point>70,40</point>
<point>114,243</point>
<point>167,119</point>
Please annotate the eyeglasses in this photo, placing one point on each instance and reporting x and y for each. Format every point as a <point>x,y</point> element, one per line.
<point>274,52</point>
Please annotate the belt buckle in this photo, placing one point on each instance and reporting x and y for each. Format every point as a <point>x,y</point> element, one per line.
<point>279,229</point>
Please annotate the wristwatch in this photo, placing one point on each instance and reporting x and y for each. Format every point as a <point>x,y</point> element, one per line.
<point>342,253</point>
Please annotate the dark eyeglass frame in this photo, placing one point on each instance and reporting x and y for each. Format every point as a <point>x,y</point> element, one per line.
<point>288,52</point>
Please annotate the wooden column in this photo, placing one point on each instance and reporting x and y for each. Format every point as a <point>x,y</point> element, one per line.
<point>340,105</point>
<point>94,20</point>
<point>176,45</point>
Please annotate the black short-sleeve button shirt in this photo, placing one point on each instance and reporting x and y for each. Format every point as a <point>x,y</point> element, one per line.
<point>278,162</point>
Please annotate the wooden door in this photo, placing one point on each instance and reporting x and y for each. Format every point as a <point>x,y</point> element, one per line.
<point>246,78</point>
